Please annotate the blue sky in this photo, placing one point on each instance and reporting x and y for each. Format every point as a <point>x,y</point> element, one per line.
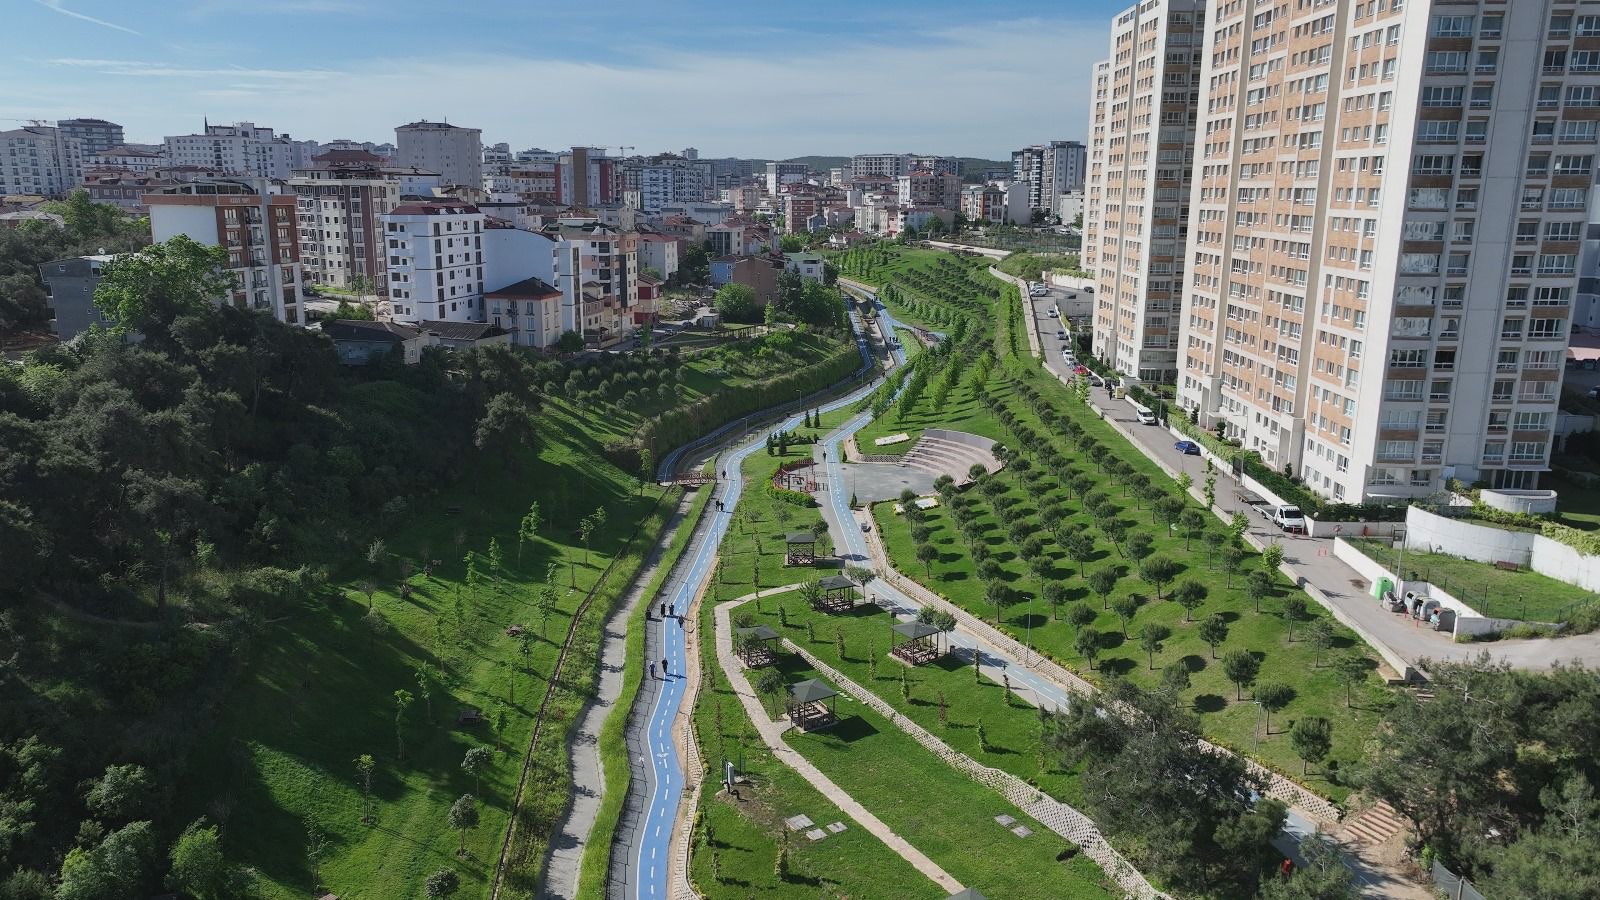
<point>733,79</point>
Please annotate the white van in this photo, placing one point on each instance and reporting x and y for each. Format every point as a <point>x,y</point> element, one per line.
<point>1144,414</point>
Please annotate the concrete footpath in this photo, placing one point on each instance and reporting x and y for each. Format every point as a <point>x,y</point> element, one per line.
<point>588,775</point>
<point>772,735</point>
<point>1310,563</point>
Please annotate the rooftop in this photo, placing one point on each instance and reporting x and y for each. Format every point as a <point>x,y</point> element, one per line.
<point>360,330</point>
<point>462,331</point>
<point>526,289</point>
<point>427,208</point>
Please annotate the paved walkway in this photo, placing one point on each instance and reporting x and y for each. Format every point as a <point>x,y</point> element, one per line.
<point>588,776</point>
<point>772,734</point>
<point>1310,562</point>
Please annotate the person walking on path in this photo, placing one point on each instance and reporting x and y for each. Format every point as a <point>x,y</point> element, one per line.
<point>652,670</point>
<point>663,667</point>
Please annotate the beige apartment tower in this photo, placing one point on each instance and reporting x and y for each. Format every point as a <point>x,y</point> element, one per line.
<point>1141,146</point>
<point>1388,211</point>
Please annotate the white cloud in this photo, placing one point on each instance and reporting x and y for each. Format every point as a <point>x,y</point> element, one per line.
<point>55,5</point>
<point>141,69</point>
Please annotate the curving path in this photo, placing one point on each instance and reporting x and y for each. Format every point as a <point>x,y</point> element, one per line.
<point>647,872</point>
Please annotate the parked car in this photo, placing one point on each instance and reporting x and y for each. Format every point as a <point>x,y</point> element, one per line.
<point>1187,448</point>
<point>1051,312</point>
<point>1145,416</point>
<point>1061,334</point>
<point>1096,380</point>
<point>1080,370</point>
<point>1289,518</point>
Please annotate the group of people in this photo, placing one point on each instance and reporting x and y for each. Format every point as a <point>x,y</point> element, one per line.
<point>668,611</point>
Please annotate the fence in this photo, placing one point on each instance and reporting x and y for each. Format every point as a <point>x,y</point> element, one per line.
<point>1453,886</point>
<point>1049,812</point>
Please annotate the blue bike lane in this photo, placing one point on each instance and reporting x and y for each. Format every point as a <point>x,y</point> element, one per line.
<point>663,766</point>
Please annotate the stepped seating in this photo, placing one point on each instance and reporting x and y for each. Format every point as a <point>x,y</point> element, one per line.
<point>952,453</point>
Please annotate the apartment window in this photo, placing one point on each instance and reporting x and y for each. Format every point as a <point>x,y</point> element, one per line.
<point>1494,451</point>
<point>1392,450</point>
<point>1444,360</point>
<point>1437,420</point>
<point>1560,25</point>
<point>1557,263</point>
<point>1402,391</point>
<point>1574,164</point>
<point>1511,328</point>
<point>1516,297</point>
<point>1482,96</point>
<point>1428,164</point>
<point>1553,296</point>
<point>1491,26</point>
<point>1576,131</point>
<point>1588,26</point>
<point>1451,26</point>
<point>1583,95</point>
<point>1443,95</point>
<point>1549,96</point>
<point>1445,62</point>
<point>1408,359</point>
<point>1527,451</point>
<point>1488,62</point>
<point>1532,421</point>
<point>1546,329</point>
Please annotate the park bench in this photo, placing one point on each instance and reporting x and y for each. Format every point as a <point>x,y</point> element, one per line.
<point>470,716</point>
<point>1507,565</point>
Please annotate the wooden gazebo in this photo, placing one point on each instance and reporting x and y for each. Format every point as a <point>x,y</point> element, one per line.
<point>799,549</point>
<point>754,646</point>
<point>811,704</point>
<point>838,594</point>
<point>915,642</point>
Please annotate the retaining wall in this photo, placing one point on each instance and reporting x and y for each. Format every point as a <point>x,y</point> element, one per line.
<point>1485,543</point>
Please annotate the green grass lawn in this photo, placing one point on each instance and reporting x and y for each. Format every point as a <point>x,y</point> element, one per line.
<point>322,685</point>
<point>743,835</point>
<point>1011,727</point>
<point>961,412</point>
<point>753,550</point>
<point>942,812</point>
<point>1578,506</point>
<point>1523,594</point>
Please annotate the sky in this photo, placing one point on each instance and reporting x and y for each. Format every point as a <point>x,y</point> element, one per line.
<point>764,79</point>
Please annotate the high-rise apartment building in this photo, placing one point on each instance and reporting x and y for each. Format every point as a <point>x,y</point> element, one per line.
<point>94,135</point>
<point>1143,129</point>
<point>893,165</point>
<point>1051,170</point>
<point>454,152</point>
<point>782,173</point>
<point>1390,203</point>
<point>435,261</point>
<point>342,198</point>
<point>240,149</point>
<point>39,159</point>
<point>665,180</point>
<point>253,223</point>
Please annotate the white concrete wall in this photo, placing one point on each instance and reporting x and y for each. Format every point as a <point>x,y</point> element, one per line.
<point>1485,543</point>
<point>1519,501</point>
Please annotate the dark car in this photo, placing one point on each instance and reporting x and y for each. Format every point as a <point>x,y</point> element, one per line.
<point>1187,448</point>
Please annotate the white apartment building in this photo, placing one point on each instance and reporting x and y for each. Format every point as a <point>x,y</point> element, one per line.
<point>254,223</point>
<point>1143,126</point>
<point>454,152</point>
<point>342,198</point>
<point>1390,204</point>
<point>1095,180</point>
<point>596,270</point>
<point>241,148</point>
<point>94,135</point>
<point>435,261</point>
<point>39,159</point>
<point>667,180</point>
<point>782,173</point>
<point>1052,169</point>
<point>125,159</point>
<point>893,165</point>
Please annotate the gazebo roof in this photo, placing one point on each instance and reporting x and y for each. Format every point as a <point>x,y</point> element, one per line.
<point>967,894</point>
<point>914,630</point>
<point>761,632</point>
<point>811,690</point>
<point>834,582</point>
<point>800,537</point>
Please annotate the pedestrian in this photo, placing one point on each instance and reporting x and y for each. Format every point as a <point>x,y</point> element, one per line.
<point>672,610</point>
<point>663,667</point>
<point>663,610</point>
<point>652,670</point>
<point>1286,868</point>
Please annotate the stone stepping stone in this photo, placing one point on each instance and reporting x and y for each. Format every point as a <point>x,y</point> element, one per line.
<point>1004,820</point>
<point>1022,831</point>
<point>798,823</point>
<point>816,834</point>
<point>836,827</point>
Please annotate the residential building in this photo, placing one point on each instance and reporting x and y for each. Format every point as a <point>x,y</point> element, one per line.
<point>72,283</point>
<point>1147,124</point>
<point>463,335</point>
<point>994,204</point>
<point>738,237</point>
<point>1051,169</point>
<point>342,199</point>
<point>649,300</point>
<point>254,224</point>
<point>798,208</point>
<point>456,153</point>
<point>93,135</point>
<point>921,187</point>
<point>39,159</point>
<point>596,270</point>
<point>586,178</point>
<point>1390,202</point>
<point>1069,207</point>
<point>360,343</point>
<point>707,213</point>
<point>123,189</point>
<point>435,261</point>
<point>893,165</point>
<point>809,266</point>
<point>660,252</point>
<point>1095,184</point>
<point>238,149</point>
<point>759,273</point>
<point>782,173</point>
<point>531,309</point>
<point>666,180</point>
<point>123,158</point>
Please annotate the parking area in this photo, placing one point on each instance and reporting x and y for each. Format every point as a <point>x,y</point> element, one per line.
<point>1055,334</point>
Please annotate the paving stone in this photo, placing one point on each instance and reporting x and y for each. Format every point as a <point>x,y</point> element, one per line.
<point>1022,831</point>
<point>816,834</point>
<point>798,823</point>
<point>1004,820</point>
<point>836,827</point>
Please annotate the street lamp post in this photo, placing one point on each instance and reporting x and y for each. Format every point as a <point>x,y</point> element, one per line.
<point>1028,658</point>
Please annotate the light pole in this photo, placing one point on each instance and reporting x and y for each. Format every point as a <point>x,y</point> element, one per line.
<point>1028,658</point>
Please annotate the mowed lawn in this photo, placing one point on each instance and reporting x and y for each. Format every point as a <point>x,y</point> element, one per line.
<point>320,689</point>
<point>1520,594</point>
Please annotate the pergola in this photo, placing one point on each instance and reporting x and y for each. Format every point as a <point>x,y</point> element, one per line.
<point>837,594</point>
<point>922,643</point>
<point>799,549</point>
<point>754,646</point>
<point>811,704</point>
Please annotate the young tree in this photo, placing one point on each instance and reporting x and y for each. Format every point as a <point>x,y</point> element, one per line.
<point>122,793</point>
<point>1080,548</point>
<point>364,769</point>
<point>1272,558</point>
<point>1294,609</point>
<point>1175,678</point>
<point>1189,594</point>
<point>1140,546</point>
<point>1055,594</point>
<point>1158,570</point>
<point>463,817</point>
<point>1168,511</point>
<point>586,528</point>
<point>1151,638</point>
<point>198,867</point>
<point>477,761</point>
<point>1241,667</point>
<point>1319,634</point>
<point>1103,582</point>
<point>496,562</point>
<point>1258,584</point>
<point>1213,539</point>
<point>1079,615</point>
<point>1231,558</point>
<point>1214,630</point>
<point>1312,738</point>
<point>1273,696</point>
<point>926,554</point>
<point>1087,643</point>
<point>1351,669</point>
<point>368,587</point>
<point>402,702</point>
<point>443,883</point>
<point>1125,608</point>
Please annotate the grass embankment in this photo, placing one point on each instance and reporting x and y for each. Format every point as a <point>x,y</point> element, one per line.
<point>1265,634</point>
<point>613,747</point>
<point>1521,594</point>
